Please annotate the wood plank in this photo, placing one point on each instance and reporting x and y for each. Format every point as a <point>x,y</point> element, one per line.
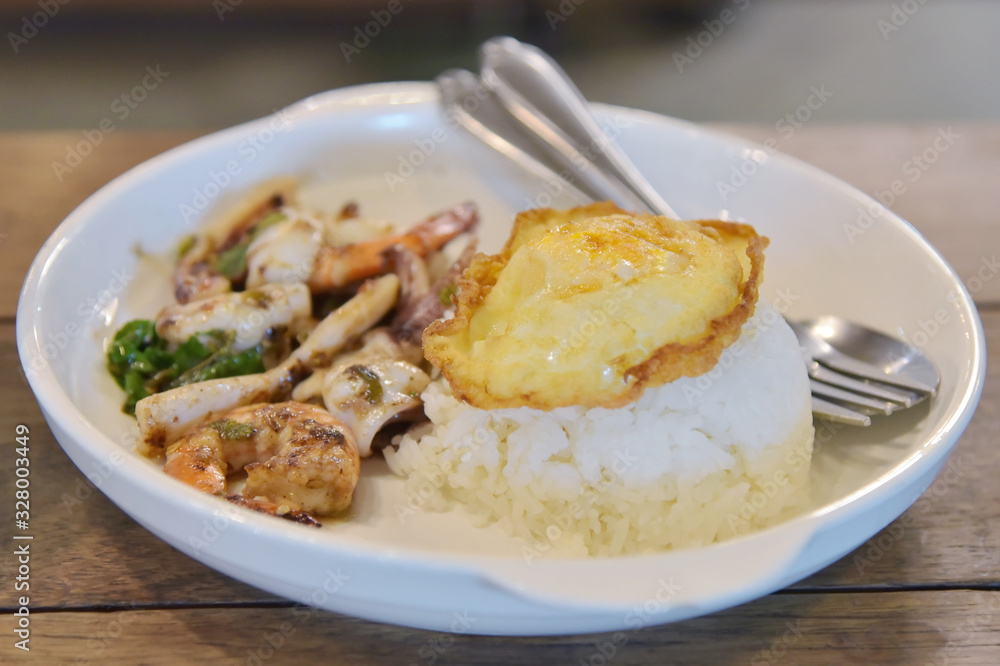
<point>953,627</point>
<point>953,202</point>
<point>946,538</point>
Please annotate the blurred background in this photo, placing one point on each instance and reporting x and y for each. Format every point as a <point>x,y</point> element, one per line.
<point>72,63</point>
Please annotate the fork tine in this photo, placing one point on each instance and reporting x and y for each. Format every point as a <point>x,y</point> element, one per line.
<point>834,412</point>
<point>828,376</point>
<point>852,366</point>
<point>851,398</point>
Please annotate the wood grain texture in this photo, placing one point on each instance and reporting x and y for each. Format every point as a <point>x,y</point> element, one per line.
<point>88,552</point>
<point>943,627</point>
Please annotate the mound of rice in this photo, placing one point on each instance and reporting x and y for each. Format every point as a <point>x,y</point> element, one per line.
<point>691,462</point>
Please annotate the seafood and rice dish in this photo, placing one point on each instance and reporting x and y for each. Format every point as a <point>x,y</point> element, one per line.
<point>607,383</point>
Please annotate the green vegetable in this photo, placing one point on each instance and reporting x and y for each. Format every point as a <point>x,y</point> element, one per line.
<point>231,430</point>
<point>266,223</point>
<point>373,387</point>
<point>232,262</point>
<point>446,294</point>
<point>185,245</point>
<point>143,363</point>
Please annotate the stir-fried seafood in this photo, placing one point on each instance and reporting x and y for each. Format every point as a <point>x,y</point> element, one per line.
<point>339,266</point>
<point>252,278</point>
<point>164,417</point>
<point>196,276</point>
<point>301,458</point>
<point>381,382</point>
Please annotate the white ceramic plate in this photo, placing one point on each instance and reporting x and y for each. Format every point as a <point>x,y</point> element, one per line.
<point>434,570</point>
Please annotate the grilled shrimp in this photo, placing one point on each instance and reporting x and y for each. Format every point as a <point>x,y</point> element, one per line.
<point>299,458</point>
<point>339,266</point>
<point>252,312</point>
<point>164,417</point>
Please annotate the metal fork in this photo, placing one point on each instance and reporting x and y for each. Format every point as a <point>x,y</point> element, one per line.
<point>881,375</point>
<point>534,114</point>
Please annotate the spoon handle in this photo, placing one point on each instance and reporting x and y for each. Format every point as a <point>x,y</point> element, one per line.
<point>536,91</point>
<point>479,112</point>
<point>477,109</point>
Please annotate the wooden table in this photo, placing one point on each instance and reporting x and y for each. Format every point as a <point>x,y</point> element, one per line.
<point>104,590</point>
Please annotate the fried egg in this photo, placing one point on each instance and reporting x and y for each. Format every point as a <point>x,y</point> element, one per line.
<point>589,306</point>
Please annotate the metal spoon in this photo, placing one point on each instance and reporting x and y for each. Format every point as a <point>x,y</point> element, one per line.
<point>477,108</point>
<point>536,91</point>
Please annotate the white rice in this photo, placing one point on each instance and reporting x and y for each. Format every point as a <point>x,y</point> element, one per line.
<point>691,462</point>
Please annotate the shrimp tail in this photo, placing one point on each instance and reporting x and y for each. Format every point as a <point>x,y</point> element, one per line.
<point>339,266</point>
<point>272,509</point>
